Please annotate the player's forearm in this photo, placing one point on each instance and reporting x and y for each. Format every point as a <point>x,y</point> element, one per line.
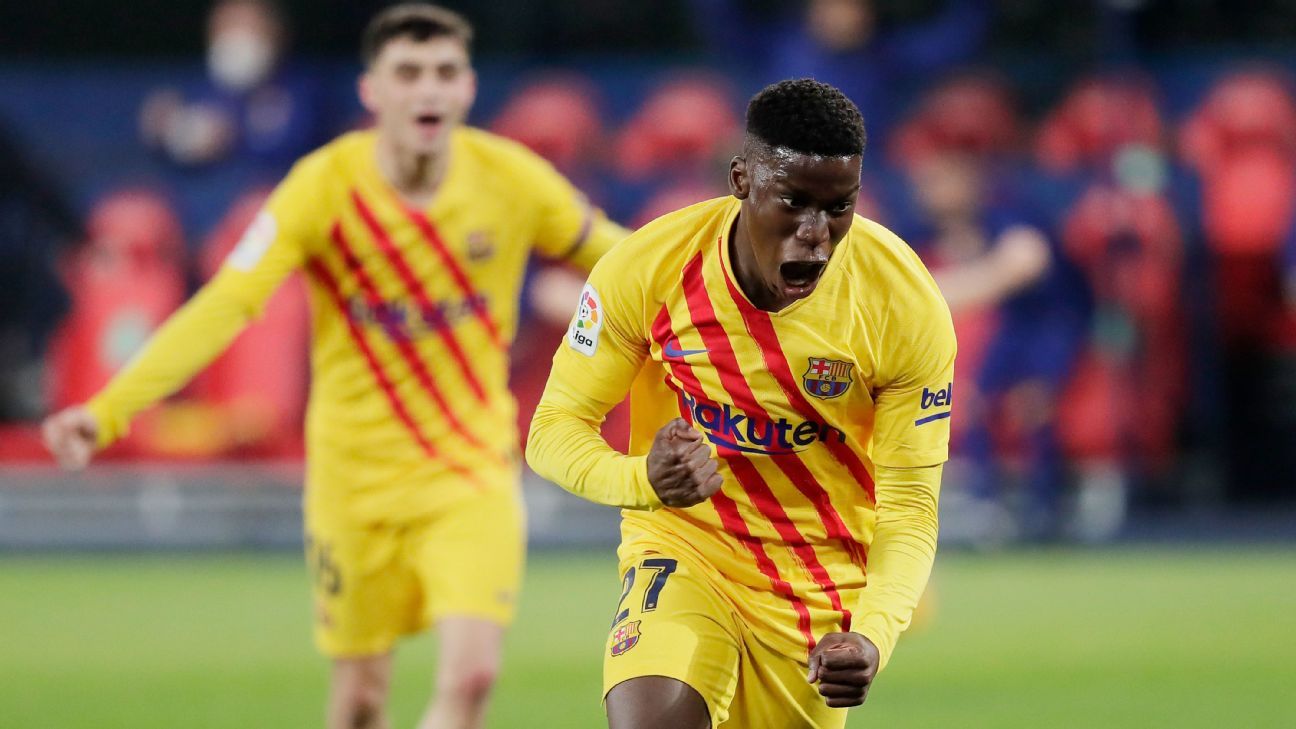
<point>189,340</point>
<point>571,452</point>
<point>901,554</point>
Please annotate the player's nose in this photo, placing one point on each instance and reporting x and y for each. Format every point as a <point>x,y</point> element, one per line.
<point>813,228</point>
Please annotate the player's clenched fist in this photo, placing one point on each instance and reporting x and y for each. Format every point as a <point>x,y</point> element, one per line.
<point>680,467</point>
<point>844,664</point>
<point>71,435</point>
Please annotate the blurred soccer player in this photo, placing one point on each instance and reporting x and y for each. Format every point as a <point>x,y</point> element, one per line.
<point>789,370</point>
<point>414,237</point>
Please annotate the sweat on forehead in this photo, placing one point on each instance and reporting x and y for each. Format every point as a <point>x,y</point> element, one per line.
<point>757,150</point>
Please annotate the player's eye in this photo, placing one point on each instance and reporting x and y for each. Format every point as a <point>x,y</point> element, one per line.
<point>407,72</point>
<point>842,207</point>
<point>792,201</point>
<point>448,72</point>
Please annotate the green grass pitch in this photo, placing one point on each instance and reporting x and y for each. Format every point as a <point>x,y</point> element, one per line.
<point>1106,638</point>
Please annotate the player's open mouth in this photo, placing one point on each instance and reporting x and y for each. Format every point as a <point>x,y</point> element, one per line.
<point>428,123</point>
<point>799,277</point>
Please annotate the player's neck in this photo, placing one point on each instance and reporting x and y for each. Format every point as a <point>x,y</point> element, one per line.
<point>415,176</point>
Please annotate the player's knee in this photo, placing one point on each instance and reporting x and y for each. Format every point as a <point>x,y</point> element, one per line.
<point>362,696</point>
<point>365,706</point>
<point>365,714</point>
<point>469,685</point>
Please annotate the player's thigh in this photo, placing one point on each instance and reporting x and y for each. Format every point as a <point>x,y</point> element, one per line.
<point>469,557</point>
<point>648,702</point>
<point>772,693</point>
<point>671,622</point>
<point>364,597</point>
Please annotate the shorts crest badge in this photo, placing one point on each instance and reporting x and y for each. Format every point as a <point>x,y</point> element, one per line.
<point>625,637</point>
<point>827,378</point>
<point>481,245</point>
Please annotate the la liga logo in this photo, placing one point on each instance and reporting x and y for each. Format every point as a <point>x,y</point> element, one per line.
<point>583,335</point>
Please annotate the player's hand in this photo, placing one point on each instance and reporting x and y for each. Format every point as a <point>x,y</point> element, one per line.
<point>1021,256</point>
<point>844,665</point>
<point>680,467</point>
<point>71,436</point>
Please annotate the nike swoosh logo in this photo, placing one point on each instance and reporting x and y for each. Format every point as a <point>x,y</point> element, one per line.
<point>671,352</point>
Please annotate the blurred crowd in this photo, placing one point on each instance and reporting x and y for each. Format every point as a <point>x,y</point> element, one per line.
<point>1123,281</point>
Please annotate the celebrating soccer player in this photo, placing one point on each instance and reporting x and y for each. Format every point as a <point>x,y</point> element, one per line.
<point>789,370</point>
<point>413,237</point>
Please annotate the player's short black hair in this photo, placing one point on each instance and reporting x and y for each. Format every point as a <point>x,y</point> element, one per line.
<point>416,21</point>
<point>806,116</point>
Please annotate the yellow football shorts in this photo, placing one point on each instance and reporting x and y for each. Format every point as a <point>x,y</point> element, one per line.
<point>375,583</point>
<point>673,621</point>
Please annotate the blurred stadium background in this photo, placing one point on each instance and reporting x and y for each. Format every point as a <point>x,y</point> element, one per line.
<point>1119,518</point>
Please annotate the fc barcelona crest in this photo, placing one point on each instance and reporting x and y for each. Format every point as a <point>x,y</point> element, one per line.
<point>625,637</point>
<point>827,378</point>
<point>481,245</point>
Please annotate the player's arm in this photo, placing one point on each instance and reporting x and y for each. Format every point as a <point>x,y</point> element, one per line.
<point>1019,258</point>
<point>901,554</point>
<point>912,407</point>
<point>900,560</point>
<point>592,371</point>
<point>190,339</point>
<point>556,287</point>
<point>569,228</point>
<point>604,350</point>
<point>910,444</point>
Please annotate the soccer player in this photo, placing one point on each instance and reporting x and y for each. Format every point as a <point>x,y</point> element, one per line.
<point>413,238</point>
<point>789,370</point>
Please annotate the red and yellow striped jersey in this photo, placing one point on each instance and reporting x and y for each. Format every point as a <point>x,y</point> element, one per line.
<point>413,313</point>
<point>829,420</point>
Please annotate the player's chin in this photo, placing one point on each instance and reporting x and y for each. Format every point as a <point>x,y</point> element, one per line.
<point>423,140</point>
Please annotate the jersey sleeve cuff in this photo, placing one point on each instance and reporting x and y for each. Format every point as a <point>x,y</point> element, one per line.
<point>647,494</point>
<point>108,430</point>
<point>877,628</point>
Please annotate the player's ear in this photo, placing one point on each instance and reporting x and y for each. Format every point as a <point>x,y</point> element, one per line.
<point>364,89</point>
<point>739,183</point>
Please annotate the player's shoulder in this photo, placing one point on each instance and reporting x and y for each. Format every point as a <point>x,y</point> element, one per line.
<point>493,150</point>
<point>340,158</point>
<point>880,256</point>
<point>886,272</point>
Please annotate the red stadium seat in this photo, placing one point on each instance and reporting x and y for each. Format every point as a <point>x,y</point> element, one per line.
<point>971,114</point>
<point>683,126</point>
<point>1247,201</point>
<point>1242,140</point>
<point>1098,118</point>
<point>556,117</point>
<point>1248,110</point>
<point>261,405</point>
<point>123,283</point>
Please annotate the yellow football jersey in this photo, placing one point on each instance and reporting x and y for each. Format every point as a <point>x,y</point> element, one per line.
<point>806,409</point>
<point>413,313</point>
